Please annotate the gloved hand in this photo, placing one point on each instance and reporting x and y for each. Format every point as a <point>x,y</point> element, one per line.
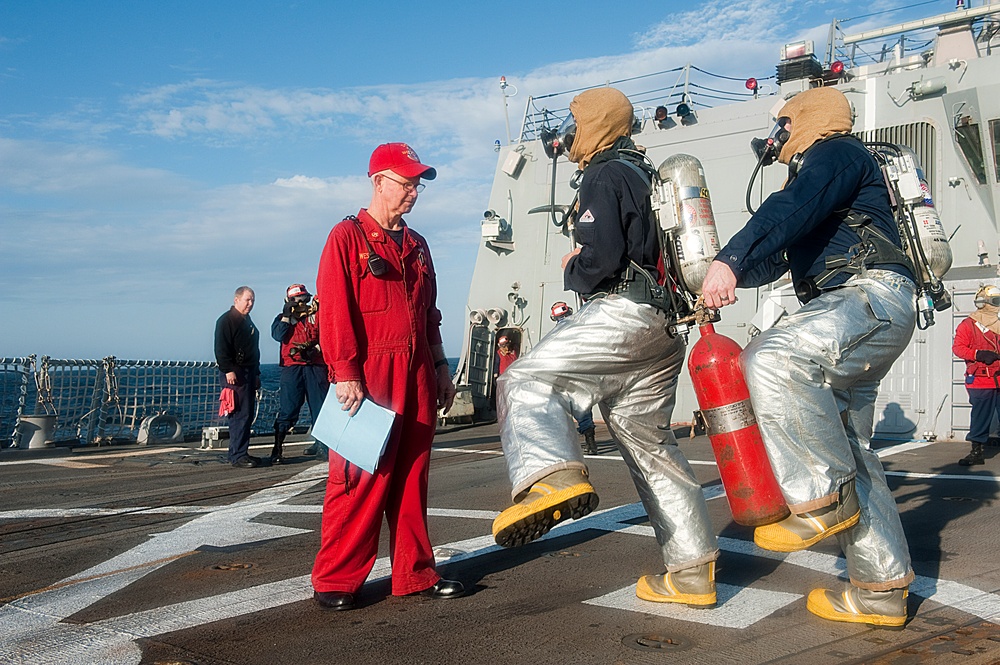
<point>288,311</point>
<point>986,356</point>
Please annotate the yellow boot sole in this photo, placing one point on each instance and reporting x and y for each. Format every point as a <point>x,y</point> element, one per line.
<point>821,607</point>
<point>775,538</point>
<point>522,523</point>
<point>695,600</point>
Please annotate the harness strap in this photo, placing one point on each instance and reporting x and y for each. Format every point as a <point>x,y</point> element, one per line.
<point>874,249</point>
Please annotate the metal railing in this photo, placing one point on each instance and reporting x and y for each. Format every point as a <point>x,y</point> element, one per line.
<point>15,375</point>
<point>107,400</point>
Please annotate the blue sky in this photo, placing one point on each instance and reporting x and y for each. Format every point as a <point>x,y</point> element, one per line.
<point>155,155</point>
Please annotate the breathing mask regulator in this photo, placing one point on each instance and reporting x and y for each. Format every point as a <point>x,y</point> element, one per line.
<point>559,141</point>
<point>767,151</point>
<point>555,143</point>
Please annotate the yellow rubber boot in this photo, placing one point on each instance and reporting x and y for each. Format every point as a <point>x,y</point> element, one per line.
<point>694,587</point>
<point>556,497</point>
<point>876,608</point>
<point>797,532</point>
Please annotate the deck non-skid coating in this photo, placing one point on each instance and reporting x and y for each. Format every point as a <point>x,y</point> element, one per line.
<point>37,626</point>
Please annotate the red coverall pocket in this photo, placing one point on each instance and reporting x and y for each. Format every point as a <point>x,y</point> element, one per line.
<point>341,473</point>
<point>373,296</point>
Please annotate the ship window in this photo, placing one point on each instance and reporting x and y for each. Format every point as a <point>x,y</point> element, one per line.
<point>995,139</point>
<point>967,137</point>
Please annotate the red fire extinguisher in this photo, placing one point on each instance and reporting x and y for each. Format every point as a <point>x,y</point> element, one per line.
<point>754,496</point>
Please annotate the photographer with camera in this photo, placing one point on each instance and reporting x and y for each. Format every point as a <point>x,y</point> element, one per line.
<point>303,372</point>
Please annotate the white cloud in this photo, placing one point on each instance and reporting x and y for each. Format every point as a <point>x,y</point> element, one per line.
<point>717,20</point>
<point>302,182</point>
<point>84,171</point>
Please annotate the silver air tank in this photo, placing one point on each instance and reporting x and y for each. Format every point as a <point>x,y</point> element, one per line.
<point>925,223</point>
<point>684,209</point>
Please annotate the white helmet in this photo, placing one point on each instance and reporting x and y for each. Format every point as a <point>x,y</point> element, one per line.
<point>988,294</point>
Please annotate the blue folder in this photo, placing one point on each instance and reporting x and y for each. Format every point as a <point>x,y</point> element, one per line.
<point>360,439</point>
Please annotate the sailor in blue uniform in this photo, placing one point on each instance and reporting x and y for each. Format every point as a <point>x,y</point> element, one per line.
<point>814,376</point>
<point>614,352</point>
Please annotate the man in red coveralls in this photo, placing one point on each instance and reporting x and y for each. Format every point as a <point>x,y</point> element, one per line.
<point>380,336</point>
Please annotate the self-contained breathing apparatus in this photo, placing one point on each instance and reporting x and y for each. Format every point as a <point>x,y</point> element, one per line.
<point>925,250</point>
<point>686,231</point>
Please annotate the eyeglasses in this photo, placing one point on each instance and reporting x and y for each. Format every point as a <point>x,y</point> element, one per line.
<point>407,186</point>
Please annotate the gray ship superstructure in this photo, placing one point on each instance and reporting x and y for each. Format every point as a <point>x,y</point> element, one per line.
<point>932,85</point>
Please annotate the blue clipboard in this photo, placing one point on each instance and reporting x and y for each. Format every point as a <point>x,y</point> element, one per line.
<point>360,439</point>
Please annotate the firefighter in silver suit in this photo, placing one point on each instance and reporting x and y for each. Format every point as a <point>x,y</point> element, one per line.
<point>614,352</point>
<point>814,376</point>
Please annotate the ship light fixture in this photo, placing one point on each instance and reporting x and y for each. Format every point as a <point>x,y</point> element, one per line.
<point>683,110</point>
<point>797,49</point>
<point>837,67</point>
<point>661,113</point>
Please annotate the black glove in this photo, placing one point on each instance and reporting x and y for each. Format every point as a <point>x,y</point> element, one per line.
<point>986,356</point>
<point>288,311</point>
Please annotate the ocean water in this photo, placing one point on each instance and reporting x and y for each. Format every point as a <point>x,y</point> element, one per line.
<point>270,373</point>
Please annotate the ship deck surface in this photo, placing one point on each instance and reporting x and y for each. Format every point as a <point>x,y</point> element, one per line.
<point>168,555</point>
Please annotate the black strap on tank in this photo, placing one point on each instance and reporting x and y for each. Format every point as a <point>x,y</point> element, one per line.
<point>874,249</point>
<point>376,264</point>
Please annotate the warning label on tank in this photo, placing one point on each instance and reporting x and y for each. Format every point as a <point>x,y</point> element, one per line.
<point>729,418</point>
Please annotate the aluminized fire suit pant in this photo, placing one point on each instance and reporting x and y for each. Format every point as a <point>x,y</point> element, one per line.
<point>616,353</point>
<point>813,380</point>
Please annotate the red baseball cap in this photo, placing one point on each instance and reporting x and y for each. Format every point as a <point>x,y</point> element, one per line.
<point>401,160</point>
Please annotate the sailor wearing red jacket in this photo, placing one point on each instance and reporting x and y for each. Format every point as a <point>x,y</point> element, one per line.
<point>977,342</point>
<point>380,336</point>
<point>303,374</point>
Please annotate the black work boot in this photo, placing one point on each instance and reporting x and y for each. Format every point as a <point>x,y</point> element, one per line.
<point>279,439</point>
<point>589,443</point>
<point>974,457</point>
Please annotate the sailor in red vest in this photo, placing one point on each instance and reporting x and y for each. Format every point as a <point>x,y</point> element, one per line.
<point>977,342</point>
<point>506,354</point>
<point>303,372</point>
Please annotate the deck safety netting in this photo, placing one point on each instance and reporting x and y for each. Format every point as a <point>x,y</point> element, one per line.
<point>100,401</point>
<point>188,391</point>
<point>15,376</point>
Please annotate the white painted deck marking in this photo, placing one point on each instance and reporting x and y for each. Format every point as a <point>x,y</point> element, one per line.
<point>974,477</point>
<point>738,607</point>
<point>71,464</point>
<point>33,625</point>
<point>470,451</point>
<point>93,456</point>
